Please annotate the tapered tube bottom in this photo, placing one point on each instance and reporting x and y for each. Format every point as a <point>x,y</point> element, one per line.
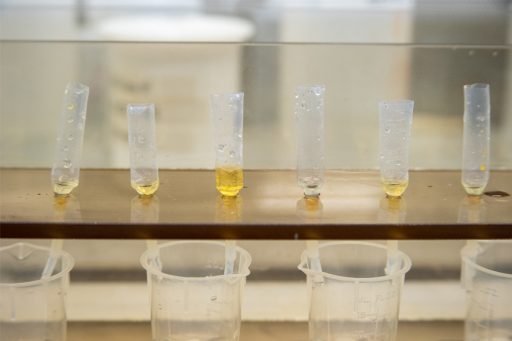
<point>394,188</point>
<point>229,180</point>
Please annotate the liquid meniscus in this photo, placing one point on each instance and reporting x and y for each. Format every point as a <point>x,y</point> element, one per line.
<point>310,185</point>
<point>64,187</point>
<point>473,190</point>
<point>394,188</point>
<point>475,181</point>
<point>229,180</point>
<point>146,189</point>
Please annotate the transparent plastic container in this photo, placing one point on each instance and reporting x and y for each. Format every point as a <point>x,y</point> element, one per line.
<point>191,298</point>
<point>227,112</point>
<point>476,151</point>
<point>487,278</point>
<point>31,308</point>
<point>357,299</point>
<point>395,121</point>
<point>309,119</point>
<point>143,152</point>
<point>68,151</point>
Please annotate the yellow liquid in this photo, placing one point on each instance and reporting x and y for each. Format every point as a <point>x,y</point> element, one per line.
<point>148,189</point>
<point>394,188</point>
<point>473,190</point>
<point>229,209</point>
<point>312,204</point>
<point>64,187</point>
<point>229,180</point>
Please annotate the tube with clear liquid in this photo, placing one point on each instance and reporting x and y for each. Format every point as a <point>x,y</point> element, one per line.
<point>477,136</point>
<point>395,121</point>
<point>142,143</point>
<point>227,116</point>
<point>309,117</point>
<point>68,152</point>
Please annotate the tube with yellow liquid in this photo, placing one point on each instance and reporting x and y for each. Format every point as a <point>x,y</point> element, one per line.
<point>477,138</point>
<point>68,152</point>
<point>395,121</point>
<point>142,144</point>
<point>227,116</point>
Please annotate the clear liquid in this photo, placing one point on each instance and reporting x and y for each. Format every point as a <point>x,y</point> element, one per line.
<point>474,182</point>
<point>146,189</point>
<point>394,188</point>
<point>33,331</point>
<point>229,180</point>
<point>193,337</point>
<point>218,330</point>
<point>311,185</point>
<point>491,330</point>
<point>472,190</point>
<point>64,187</point>
<point>383,330</point>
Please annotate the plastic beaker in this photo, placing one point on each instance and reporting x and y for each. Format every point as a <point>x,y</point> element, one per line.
<point>487,278</point>
<point>32,308</point>
<point>191,298</point>
<point>356,298</point>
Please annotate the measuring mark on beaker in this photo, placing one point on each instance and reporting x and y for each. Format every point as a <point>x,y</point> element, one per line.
<point>13,304</point>
<point>376,307</point>
<point>483,300</point>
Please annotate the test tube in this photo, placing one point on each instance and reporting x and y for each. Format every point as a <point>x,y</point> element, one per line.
<point>227,115</point>
<point>146,209</point>
<point>395,121</point>
<point>477,136</point>
<point>142,143</point>
<point>472,210</point>
<point>66,165</point>
<point>309,117</point>
<point>309,209</point>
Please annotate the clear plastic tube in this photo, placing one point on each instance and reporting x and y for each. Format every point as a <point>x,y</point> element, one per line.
<point>146,209</point>
<point>392,210</point>
<point>395,118</point>
<point>309,117</point>
<point>66,166</point>
<point>472,210</point>
<point>228,209</point>
<point>477,136</point>
<point>309,209</point>
<point>227,114</point>
<point>142,143</point>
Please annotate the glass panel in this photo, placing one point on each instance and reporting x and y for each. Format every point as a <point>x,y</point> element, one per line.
<point>179,78</point>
